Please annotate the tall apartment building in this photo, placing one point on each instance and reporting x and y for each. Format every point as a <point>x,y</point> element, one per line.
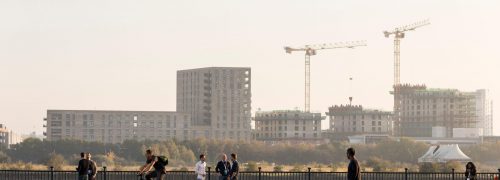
<point>287,125</point>
<point>218,100</point>
<point>348,120</point>
<point>117,126</point>
<point>423,108</point>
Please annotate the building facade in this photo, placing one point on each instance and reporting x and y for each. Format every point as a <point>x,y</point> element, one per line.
<point>8,138</point>
<point>218,100</point>
<point>117,126</point>
<point>423,108</point>
<point>353,120</point>
<point>484,111</point>
<point>287,125</point>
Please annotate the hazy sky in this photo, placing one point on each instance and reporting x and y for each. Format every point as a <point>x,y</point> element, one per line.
<point>124,54</point>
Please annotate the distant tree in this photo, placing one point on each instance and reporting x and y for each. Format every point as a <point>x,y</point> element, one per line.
<point>57,161</point>
<point>4,158</point>
<point>187,155</point>
<point>454,165</point>
<point>297,168</point>
<point>430,167</point>
<point>378,164</point>
<point>278,168</point>
<point>251,166</point>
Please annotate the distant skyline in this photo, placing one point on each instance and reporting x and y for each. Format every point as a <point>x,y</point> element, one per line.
<point>124,54</point>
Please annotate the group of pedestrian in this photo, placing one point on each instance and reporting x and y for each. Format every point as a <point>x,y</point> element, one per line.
<point>227,170</point>
<point>87,169</point>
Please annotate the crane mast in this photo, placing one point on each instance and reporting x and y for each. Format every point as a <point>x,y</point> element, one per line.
<point>399,33</point>
<point>310,50</point>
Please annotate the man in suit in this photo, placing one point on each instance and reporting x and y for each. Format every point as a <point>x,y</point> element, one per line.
<point>223,168</point>
<point>235,168</point>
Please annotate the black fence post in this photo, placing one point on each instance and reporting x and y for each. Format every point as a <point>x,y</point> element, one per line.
<point>406,173</point>
<point>309,173</point>
<point>104,172</point>
<point>51,172</point>
<point>209,172</point>
<point>260,171</point>
<point>453,174</point>
<point>498,174</point>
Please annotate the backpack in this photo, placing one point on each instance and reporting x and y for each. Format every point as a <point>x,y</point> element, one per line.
<point>162,160</point>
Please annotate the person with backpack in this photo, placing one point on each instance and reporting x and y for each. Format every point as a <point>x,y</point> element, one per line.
<point>83,167</point>
<point>93,167</point>
<point>200,168</point>
<point>223,167</point>
<point>157,162</point>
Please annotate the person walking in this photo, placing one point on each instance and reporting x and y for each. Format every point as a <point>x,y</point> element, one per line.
<point>223,168</point>
<point>200,168</point>
<point>153,162</point>
<point>470,171</point>
<point>353,170</point>
<point>83,167</point>
<point>93,167</point>
<point>235,167</point>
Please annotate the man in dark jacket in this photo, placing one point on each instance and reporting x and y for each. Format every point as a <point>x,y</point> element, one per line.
<point>83,167</point>
<point>235,168</point>
<point>93,167</point>
<point>152,162</point>
<point>223,168</point>
<point>353,170</point>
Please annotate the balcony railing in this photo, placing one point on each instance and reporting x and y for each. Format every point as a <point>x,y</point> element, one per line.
<point>248,175</point>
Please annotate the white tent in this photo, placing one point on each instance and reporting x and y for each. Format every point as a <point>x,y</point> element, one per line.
<point>443,154</point>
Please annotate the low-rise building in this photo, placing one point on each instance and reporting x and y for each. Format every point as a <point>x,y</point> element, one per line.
<point>349,120</point>
<point>117,126</point>
<point>287,125</point>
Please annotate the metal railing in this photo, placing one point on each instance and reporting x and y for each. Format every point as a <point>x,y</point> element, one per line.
<point>247,175</point>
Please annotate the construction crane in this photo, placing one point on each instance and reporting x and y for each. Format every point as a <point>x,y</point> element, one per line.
<point>399,33</point>
<point>310,50</point>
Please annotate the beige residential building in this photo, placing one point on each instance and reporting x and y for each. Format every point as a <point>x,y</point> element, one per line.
<point>354,120</point>
<point>423,109</point>
<point>287,125</point>
<point>218,100</point>
<point>117,126</point>
<point>8,138</point>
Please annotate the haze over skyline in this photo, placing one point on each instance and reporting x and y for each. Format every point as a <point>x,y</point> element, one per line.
<point>123,55</point>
